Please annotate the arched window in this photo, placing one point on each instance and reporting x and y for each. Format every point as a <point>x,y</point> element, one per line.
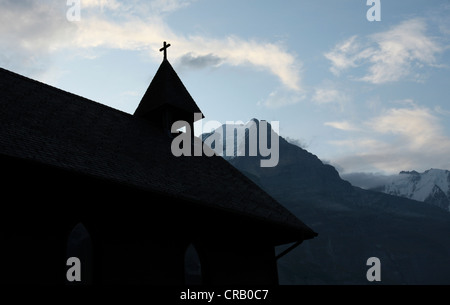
<point>79,245</point>
<point>192,266</point>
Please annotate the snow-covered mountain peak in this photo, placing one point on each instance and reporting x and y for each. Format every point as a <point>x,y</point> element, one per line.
<point>432,186</point>
<point>238,138</point>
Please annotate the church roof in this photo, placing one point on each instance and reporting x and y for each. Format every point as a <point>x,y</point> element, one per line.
<point>166,89</point>
<point>53,127</point>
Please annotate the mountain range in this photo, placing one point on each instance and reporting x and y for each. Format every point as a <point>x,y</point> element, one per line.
<point>431,186</point>
<point>410,238</point>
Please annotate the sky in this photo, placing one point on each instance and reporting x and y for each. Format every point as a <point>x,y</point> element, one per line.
<point>365,96</point>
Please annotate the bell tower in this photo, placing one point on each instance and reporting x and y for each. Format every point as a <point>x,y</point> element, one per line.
<point>167,99</point>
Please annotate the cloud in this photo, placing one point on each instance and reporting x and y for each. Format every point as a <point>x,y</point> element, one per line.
<point>397,54</point>
<point>102,4</point>
<point>38,29</point>
<point>390,161</point>
<point>30,31</point>
<point>232,50</point>
<point>282,97</point>
<point>398,139</point>
<point>237,51</point>
<point>297,142</point>
<point>165,6</point>
<point>416,127</point>
<point>343,55</point>
<point>190,60</point>
<point>344,125</point>
<point>439,110</point>
<point>367,180</point>
<point>362,143</point>
<point>327,96</point>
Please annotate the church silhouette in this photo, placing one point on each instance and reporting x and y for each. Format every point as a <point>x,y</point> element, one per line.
<point>81,179</point>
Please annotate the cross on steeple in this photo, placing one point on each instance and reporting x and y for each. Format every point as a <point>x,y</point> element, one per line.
<point>164,48</point>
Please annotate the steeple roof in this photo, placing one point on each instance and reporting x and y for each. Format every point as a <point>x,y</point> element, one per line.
<point>167,90</point>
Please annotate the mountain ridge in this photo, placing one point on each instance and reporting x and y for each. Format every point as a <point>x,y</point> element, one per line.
<point>410,238</point>
<point>432,186</point>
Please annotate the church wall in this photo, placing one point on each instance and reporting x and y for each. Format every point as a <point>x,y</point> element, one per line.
<point>230,263</point>
<point>133,236</point>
